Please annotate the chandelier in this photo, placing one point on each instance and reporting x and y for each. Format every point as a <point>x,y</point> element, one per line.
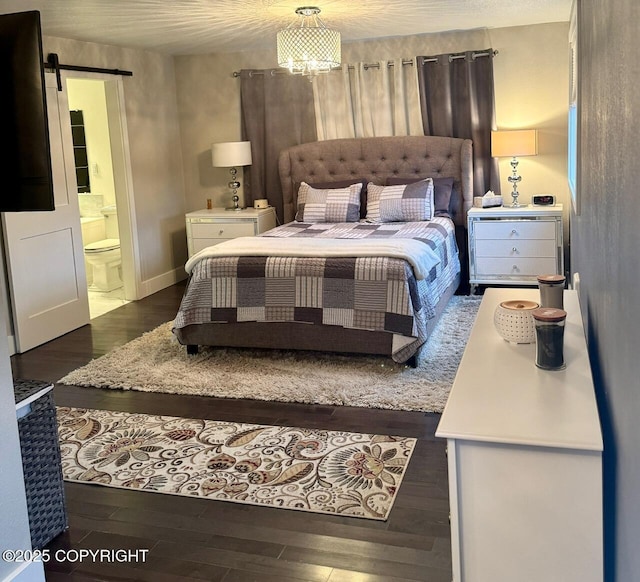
<point>307,46</point>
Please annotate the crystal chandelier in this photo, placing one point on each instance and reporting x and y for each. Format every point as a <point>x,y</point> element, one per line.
<point>307,46</point>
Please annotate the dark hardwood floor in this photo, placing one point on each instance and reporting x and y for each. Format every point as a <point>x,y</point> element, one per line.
<point>199,539</point>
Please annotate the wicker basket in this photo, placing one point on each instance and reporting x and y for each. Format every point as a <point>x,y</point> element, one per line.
<point>38,431</point>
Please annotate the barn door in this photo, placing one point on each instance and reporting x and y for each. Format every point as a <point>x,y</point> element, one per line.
<point>44,251</point>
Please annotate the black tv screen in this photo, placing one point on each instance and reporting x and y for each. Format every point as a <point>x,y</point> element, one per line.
<point>27,182</point>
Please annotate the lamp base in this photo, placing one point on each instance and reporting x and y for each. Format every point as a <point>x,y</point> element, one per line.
<point>235,199</point>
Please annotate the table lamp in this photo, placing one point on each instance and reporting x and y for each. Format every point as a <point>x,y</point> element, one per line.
<point>229,155</point>
<point>514,143</point>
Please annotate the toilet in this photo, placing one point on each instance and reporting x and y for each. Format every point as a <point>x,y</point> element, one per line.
<point>104,255</point>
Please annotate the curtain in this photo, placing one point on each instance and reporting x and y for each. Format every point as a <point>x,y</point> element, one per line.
<point>277,112</point>
<point>457,100</point>
<point>368,100</point>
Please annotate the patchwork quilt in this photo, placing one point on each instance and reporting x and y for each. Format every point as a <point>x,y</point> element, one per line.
<point>361,292</point>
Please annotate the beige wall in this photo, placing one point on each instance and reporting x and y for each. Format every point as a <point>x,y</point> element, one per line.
<point>531,80</point>
<point>154,140</point>
<point>209,108</point>
<point>88,96</point>
<point>532,92</point>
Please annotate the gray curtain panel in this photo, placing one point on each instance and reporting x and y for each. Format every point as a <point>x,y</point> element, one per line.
<point>456,97</point>
<point>277,113</point>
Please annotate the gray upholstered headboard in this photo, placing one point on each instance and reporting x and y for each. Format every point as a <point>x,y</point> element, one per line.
<point>375,159</point>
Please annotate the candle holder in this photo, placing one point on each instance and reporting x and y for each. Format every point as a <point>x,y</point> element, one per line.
<point>514,322</point>
<point>549,325</point>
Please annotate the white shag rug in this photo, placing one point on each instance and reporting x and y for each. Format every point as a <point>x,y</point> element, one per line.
<point>156,362</point>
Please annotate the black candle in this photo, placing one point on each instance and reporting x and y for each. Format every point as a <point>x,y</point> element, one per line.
<point>550,354</point>
<point>549,338</point>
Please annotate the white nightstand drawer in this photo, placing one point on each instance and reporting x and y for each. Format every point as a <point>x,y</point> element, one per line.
<point>222,229</point>
<point>515,229</point>
<point>210,227</point>
<point>516,248</point>
<point>516,267</point>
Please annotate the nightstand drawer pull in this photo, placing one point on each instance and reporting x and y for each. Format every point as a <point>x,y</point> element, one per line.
<point>514,250</point>
<point>514,231</point>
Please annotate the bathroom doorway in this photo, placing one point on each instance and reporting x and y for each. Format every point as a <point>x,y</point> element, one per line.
<point>103,192</point>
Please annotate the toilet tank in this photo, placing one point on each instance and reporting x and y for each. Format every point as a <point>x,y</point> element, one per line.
<point>111,215</point>
<point>93,229</point>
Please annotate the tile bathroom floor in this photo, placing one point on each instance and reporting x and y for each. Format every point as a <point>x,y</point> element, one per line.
<point>101,303</point>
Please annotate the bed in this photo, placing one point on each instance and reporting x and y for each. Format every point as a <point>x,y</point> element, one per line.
<point>359,269</point>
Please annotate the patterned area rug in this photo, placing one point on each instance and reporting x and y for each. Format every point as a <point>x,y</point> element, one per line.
<point>322,471</point>
<point>156,362</point>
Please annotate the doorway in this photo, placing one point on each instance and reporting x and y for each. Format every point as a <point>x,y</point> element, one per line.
<point>46,247</point>
<point>101,166</point>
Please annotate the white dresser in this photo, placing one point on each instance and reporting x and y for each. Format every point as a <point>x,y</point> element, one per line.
<point>524,452</point>
<point>511,246</point>
<point>210,227</point>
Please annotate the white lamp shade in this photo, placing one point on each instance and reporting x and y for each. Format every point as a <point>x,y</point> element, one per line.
<point>231,153</point>
<point>514,143</point>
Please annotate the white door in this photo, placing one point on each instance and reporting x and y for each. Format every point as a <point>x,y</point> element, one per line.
<point>44,251</point>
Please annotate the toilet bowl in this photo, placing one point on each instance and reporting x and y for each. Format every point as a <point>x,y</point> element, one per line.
<point>105,259</point>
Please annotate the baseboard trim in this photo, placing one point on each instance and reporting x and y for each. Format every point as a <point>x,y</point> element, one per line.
<point>11,340</point>
<point>155,284</point>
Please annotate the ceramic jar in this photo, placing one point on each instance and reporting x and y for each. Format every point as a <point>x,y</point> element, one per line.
<point>514,321</point>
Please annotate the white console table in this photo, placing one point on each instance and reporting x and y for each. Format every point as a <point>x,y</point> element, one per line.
<point>524,452</point>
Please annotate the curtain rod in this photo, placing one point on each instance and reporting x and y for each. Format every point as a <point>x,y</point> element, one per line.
<point>54,64</point>
<point>452,57</point>
<point>456,56</point>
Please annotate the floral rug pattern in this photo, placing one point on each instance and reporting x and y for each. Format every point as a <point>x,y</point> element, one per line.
<point>322,471</point>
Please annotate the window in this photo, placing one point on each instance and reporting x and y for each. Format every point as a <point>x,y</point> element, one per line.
<point>573,129</point>
<point>80,151</point>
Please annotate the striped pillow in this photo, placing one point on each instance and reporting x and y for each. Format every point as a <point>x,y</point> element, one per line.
<point>328,205</point>
<point>401,203</point>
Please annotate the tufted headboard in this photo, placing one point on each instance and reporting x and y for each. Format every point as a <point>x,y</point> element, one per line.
<point>375,159</point>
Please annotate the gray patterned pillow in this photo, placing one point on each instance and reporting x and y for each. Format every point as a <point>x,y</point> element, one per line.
<point>328,205</point>
<point>400,203</point>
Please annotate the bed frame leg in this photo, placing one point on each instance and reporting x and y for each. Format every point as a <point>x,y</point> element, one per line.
<point>192,349</point>
<point>412,362</point>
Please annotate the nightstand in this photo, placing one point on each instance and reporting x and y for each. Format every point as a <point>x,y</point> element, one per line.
<point>511,246</point>
<point>210,227</point>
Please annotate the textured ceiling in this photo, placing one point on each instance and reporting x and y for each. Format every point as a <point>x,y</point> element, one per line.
<point>207,26</point>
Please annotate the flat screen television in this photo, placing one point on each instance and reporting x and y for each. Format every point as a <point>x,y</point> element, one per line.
<point>26,182</point>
